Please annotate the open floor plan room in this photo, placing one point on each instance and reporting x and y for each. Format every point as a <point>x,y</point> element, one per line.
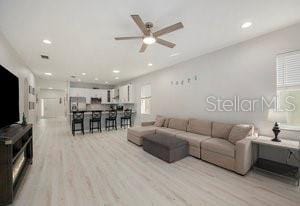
<point>104,169</point>
<point>149,102</point>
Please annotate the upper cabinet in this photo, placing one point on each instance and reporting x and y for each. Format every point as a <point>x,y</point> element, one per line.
<point>126,94</point>
<point>103,94</point>
<point>130,93</point>
<point>123,94</point>
<point>112,96</point>
<point>88,94</point>
<point>77,92</point>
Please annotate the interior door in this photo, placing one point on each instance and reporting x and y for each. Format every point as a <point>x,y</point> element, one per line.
<point>52,108</point>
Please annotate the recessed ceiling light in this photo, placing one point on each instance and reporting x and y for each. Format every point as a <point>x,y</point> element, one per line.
<point>106,82</point>
<point>150,64</point>
<point>48,73</point>
<point>246,25</point>
<point>116,77</point>
<point>116,71</point>
<point>83,74</point>
<point>79,80</point>
<point>96,79</point>
<point>50,88</point>
<point>47,41</point>
<point>175,54</point>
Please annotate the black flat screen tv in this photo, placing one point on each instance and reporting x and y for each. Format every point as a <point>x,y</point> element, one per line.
<point>9,101</point>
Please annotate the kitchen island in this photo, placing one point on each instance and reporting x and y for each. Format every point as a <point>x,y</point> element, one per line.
<point>88,116</point>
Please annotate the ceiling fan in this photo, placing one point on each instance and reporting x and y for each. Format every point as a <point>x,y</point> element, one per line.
<point>150,37</point>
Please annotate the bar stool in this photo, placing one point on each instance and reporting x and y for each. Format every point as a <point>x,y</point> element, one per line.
<point>112,118</point>
<point>126,119</point>
<point>96,118</point>
<point>78,118</point>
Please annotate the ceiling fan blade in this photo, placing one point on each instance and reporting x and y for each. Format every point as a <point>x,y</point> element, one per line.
<point>128,38</point>
<point>137,19</point>
<point>168,29</point>
<point>165,43</point>
<point>143,48</point>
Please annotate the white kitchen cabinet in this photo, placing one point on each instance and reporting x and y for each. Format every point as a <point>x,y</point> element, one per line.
<point>130,93</point>
<point>72,92</point>
<point>85,93</point>
<point>88,96</point>
<point>114,96</point>
<point>126,94</point>
<point>111,96</point>
<point>102,94</point>
<point>105,97</point>
<point>122,94</point>
<point>98,93</point>
<point>77,92</point>
<point>89,93</point>
<point>94,93</point>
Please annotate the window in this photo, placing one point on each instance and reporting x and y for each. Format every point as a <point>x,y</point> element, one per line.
<point>288,85</point>
<point>146,99</point>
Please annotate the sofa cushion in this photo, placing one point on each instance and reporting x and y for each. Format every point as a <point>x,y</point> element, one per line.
<point>252,131</point>
<point>159,121</point>
<point>141,131</point>
<point>168,131</point>
<point>221,130</point>
<point>176,123</point>
<point>239,132</point>
<point>193,139</point>
<point>199,126</point>
<point>218,159</point>
<point>166,123</point>
<point>218,145</point>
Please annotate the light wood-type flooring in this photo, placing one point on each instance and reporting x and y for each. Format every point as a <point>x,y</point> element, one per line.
<point>105,169</point>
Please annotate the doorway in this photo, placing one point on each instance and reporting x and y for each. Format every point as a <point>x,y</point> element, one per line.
<point>52,108</point>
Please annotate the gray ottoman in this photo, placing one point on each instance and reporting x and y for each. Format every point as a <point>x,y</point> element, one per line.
<point>166,147</point>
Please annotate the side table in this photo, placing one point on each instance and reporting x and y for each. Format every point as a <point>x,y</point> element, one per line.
<point>277,168</point>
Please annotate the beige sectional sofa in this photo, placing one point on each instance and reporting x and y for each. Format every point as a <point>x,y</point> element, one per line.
<point>225,145</point>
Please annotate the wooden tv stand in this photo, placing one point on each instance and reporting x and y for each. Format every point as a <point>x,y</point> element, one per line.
<point>15,156</point>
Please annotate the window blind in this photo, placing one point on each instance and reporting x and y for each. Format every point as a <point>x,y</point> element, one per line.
<point>288,69</point>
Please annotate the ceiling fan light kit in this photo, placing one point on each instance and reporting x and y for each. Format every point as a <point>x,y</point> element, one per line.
<point>149,40</point>
<point>150,37</point>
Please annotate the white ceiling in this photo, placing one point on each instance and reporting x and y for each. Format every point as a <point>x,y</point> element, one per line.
<point>83,32</point>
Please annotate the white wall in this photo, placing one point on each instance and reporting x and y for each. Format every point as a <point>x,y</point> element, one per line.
<point>89,85</point>
<point>11,61</point>
<point>59,90</point>
<point>54,94</point>
<point>247,69</point>
<point>54,84</point>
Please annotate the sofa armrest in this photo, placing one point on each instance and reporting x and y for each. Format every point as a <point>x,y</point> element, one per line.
<point>144,124</point>
<point>243,155</point>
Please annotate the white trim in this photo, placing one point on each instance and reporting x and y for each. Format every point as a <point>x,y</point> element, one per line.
<point>290,127</point>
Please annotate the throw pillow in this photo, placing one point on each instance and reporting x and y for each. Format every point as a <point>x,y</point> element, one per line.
<point>159,121</point>
<point>166,123</point>
<point>221,130</point>
<point>239,132</point>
